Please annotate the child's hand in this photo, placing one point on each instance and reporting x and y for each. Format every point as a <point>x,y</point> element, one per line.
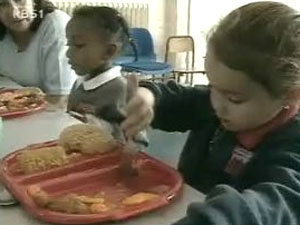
<point>139,112</point>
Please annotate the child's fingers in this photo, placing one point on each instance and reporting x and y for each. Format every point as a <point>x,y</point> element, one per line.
<point>133,130</point>
<point>139,116</point>
<point>133,82</point>
<point>134,106</point>
<point>133,124</point>
<point>139,112</point>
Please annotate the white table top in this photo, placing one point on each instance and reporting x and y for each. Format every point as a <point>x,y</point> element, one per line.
<point>5,82</point>
<point>40,127</point>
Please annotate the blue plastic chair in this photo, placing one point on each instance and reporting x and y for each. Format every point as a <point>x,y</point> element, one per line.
<point>144,60</point>
<point>144,44</point>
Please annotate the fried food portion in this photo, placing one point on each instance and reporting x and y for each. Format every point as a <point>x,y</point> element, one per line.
<point>99,208</point>
<point>86,139</point>
<point>139,198</point>
<point>41,159</point>
<point>39,196</point>
<point>7,96</point>
<point>24,98</point>
<point>70,203</point>
<point>29,92</point>
<point>91,200</point>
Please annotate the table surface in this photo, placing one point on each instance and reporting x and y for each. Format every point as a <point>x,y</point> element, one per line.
<point>5,82</point>
<point>44,126</point>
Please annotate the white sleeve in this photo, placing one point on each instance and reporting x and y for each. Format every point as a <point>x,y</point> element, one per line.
<point>57,76</point>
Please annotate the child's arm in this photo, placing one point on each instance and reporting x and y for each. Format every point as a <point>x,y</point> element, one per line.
<point>176,108</point>
<point>273,199</point>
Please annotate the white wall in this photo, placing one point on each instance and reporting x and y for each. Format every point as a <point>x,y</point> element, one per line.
<point>160,22</point>
<point>206,14</point>
<point>169,17</point>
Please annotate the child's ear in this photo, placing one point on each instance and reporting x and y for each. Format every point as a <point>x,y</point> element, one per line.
<point>111,51</point>
<point>292,97</point>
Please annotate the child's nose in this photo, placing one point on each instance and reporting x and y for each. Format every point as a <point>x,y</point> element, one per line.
<point>68,53</point>
<point>221,108</point>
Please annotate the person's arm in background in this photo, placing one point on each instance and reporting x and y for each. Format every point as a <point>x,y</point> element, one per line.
<point>57,77</point>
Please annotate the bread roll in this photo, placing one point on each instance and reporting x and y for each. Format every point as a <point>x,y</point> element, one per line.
<point>87,139</point>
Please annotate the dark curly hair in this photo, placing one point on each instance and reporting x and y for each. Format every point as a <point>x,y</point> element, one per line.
<point>109,21</point>
<point>39,5</point>
<point>261,39</point>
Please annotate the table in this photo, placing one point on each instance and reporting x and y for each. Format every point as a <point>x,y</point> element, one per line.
<point>5,82</point>
<point>46,126</point>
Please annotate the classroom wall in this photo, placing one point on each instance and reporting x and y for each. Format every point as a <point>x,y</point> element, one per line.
<point>206,14</point>
<point>169,17</point>
<point>160,22</point>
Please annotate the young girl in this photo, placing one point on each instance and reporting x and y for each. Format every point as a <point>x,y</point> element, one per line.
<point>243,150</point>
<point>96,35</point>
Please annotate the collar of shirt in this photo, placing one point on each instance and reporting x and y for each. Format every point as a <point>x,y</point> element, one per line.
<point>249,139</point>
<point>99,80</point>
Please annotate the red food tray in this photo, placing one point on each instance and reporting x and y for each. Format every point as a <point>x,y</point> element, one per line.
<point>22,112</point>
<point>90,174</point>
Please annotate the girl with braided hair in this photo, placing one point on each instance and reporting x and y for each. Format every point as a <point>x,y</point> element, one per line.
<point>96,35</point>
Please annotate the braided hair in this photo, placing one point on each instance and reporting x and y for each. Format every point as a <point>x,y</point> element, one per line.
<point>109,21</point>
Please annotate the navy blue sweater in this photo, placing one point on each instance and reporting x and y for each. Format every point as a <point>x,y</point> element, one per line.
<point>266,192</point>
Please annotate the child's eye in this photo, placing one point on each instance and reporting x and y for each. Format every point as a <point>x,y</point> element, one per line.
<point>235,100</point>
<point>75,45</point>
<point>78,45</point>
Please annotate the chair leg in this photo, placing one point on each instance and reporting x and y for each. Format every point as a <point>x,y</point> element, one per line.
<point>163,76</point>
<point>187,78</point>
<point>178,77</point>
<point>192,79</point>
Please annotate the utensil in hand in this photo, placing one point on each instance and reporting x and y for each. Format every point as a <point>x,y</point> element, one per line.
<point>130,148</point>
<point>78,116</point>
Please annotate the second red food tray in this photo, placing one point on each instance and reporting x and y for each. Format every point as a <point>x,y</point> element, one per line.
<point>91,174</point>
<point>20,112</point>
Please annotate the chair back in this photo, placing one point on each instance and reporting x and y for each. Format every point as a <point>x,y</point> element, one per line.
<point>143,41</point>
<point>144,46</point>
<point>181,44</point>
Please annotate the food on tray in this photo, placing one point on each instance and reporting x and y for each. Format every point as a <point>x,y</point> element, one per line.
<point>82,204</point>
<point>31,161</point>
<point>91,200</point>
<point>29,92</point>
<point>7,96</point>
<point>86,139</point>
<point>138,198</point>
<point>74,141</point>
<point>21,99</point>
<point>39,196</point>
<point>99,208</point>
<point>70,203</point>
<point>3,108</point>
